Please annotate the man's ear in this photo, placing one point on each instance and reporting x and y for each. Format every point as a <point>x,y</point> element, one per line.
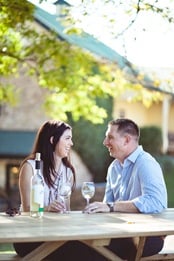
<point>51,139</point>
<point>127,139</point>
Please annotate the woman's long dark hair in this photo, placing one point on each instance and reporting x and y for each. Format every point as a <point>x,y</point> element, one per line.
<point>43,145</point>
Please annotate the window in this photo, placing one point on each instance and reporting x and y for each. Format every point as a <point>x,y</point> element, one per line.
<point>12,188</point>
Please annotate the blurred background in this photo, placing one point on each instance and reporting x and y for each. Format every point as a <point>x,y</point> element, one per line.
<point>55,64</point>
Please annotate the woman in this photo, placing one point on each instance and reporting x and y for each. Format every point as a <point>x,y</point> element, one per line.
<point>53,141</point>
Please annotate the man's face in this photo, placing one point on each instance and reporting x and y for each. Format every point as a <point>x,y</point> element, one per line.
<point>115,142</point>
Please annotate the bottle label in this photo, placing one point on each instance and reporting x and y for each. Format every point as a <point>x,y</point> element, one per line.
<point>38,194</point>
<point>33,206</point>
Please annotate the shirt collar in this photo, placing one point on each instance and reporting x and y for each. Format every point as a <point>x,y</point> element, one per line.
<point>134,155</point>
<point>131,158</point>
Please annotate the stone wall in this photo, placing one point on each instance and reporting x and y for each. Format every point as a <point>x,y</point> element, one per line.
<point>28,114</point>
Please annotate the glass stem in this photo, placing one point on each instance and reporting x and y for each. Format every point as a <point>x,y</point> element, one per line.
<point>87,200</point>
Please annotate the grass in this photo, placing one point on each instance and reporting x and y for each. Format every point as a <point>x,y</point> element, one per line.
<point>7,248</point>
<point>167,164</point>
<point>169,179</point>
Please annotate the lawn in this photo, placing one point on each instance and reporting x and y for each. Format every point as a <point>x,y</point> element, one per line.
<point>8,248</point>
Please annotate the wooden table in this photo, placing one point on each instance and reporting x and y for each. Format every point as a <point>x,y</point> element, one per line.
<point>95,230</point>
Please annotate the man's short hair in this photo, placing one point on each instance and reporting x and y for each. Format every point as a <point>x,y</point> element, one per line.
<point>126,126</point>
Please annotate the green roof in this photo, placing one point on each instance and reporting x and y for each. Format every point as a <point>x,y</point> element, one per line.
<point>84,41</point>
<point>16,143</point>
<point>88,42</point>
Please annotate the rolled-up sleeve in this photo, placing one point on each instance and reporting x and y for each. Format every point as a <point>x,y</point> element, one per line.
<point>153,198</point>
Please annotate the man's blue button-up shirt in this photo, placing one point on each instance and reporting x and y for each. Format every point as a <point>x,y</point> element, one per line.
<point>139,179</point>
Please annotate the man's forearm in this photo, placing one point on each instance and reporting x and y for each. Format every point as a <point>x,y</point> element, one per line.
<point>125,206</point>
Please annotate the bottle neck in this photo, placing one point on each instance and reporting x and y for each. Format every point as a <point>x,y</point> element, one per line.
<point>37,164</point>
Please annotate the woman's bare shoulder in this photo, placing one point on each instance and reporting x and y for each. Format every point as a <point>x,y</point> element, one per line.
<point>26,169</point>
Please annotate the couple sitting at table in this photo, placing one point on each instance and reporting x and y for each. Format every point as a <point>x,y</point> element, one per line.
<point>135,184</point>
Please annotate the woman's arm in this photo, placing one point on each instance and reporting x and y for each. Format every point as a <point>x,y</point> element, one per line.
<point>25,175</point>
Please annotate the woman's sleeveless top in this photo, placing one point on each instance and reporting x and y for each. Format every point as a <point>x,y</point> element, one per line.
<point>51,193</point>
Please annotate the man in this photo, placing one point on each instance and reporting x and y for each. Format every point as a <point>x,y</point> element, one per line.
<point>135,184</point>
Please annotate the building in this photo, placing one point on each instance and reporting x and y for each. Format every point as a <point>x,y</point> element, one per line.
<point>18,125</point>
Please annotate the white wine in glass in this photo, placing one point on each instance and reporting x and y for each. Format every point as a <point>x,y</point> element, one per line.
<point>88,190</point>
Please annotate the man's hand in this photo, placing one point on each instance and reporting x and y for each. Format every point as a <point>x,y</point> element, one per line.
<point>96,207</point>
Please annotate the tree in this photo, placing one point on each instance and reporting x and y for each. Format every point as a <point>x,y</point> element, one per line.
<point>73,78</point>
<point>117,18</point>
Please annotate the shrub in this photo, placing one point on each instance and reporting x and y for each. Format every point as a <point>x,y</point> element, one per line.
<point>151,139</point>
<point>167,164</point>
<point>88,143</point>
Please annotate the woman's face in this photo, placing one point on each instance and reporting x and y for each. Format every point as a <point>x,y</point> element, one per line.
<point>63,146</point>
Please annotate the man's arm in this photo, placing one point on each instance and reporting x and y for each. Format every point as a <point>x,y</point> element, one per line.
<point>118,206</point>
<point>125,206</point>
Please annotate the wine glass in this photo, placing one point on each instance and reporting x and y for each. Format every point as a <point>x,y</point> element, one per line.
<point>65,193</point>
<point>88,190</point>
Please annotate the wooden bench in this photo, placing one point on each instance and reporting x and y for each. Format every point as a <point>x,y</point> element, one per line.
<point>8,256</point>
<point>160,256</point>
<point>167,253</point>
<point>12,256</point>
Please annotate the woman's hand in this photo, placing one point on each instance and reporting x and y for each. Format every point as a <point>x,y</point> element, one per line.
<point>96,207</point>
<point>57,206</point>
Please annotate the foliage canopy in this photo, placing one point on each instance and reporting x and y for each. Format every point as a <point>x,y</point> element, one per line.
<point>72,77</point>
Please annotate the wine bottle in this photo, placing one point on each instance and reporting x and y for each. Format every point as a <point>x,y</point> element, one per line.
<point>37,191</point>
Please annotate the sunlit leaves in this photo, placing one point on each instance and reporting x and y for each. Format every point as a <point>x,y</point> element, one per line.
<point>147,97</point>
<point>72,78</point>
<point>77,103</point>
<point>8,94</point>
<point>16,12</point>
